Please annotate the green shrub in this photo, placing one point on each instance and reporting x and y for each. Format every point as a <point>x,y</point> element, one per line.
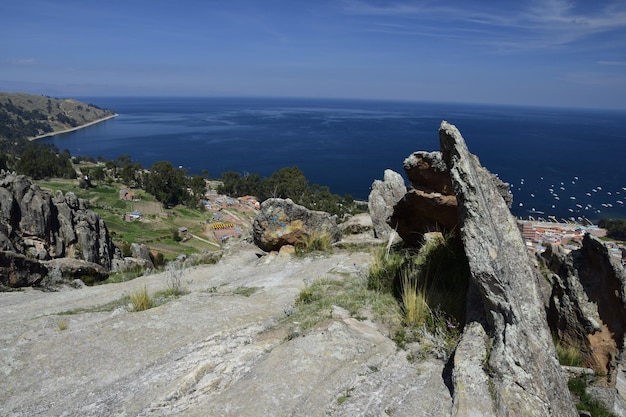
<point>430,284</point>
<point>384,269</point>
<point>126,249</point>
<point>578,388</point>
<point>414,302</point>
<point>568,355</point>
<point>126,275</point>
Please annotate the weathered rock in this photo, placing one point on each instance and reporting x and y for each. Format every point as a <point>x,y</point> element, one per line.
<point>141,252</point>
<point>588,303</point>
<point>282,222</point>
<point>357,224</point>
<point>422,211</point>
<point>430,203</point>
<point>41,227</point>
<point>524,371</point>
<point>65,270</point>
<point>17,270</point>
<point>428,169</point>
<point>383,197</point>
<point>472,397</point>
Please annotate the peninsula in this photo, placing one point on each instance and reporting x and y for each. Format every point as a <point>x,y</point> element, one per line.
<point>27,116</point>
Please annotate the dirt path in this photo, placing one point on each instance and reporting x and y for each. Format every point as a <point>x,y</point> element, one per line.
<point>212,352</point>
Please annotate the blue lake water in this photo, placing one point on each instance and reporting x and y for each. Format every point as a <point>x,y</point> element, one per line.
<point>561,162</point>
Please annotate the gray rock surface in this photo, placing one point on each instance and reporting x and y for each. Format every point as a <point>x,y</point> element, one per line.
<point>281,222</point>
<point>357,224</point>
<point>383,197</point>
<point>588,303</point>
<point>212,352</point>
<point>42,227</point>
<point>523,368</point>
<point>138,251</point>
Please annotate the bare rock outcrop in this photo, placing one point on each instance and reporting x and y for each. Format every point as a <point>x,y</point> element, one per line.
<point>588,304</point>
<point>142,253</point>
<point>282,222</point>
<point>383,197</point>
<point>521,364</point>
<point>42,227</point>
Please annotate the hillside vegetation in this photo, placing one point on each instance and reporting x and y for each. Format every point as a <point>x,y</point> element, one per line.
<point>26,116</point>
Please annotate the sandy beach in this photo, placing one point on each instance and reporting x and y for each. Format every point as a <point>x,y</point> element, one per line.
<point>73,129</point>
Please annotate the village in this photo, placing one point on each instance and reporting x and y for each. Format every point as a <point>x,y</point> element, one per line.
<point>537,234</point>
<point>227,217</point>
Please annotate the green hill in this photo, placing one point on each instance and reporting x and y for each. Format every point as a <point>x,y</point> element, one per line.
<point>28,116</point>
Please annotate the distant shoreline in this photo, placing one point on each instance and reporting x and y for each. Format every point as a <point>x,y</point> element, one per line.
<point>46,135</point>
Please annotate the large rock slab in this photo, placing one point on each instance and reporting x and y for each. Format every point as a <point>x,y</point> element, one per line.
<point>211,352</point>
<point>282,222</point>
<point>523,368</point>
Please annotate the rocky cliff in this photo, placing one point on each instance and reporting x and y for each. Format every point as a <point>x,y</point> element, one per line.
<point>36,228</point>
<point>587,308</point>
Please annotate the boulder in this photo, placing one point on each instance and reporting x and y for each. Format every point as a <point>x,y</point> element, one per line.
<point>428,170</point>
<point>357,224</point>
<point>17,270</point>
<point>138,251</point>
<point>383,197</point>
<point>64,270</point>
<point>524,372</point>
<point>282,222</point>
<point>430,204</point>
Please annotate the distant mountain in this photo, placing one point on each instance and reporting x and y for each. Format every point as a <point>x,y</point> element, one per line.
<point>27,116</point>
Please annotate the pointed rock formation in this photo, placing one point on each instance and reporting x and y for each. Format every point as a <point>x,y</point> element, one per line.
<point>383,197</point>
<point>519,356</point>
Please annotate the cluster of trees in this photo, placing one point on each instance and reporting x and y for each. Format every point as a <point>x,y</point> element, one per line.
<point>615,228</point>
<point>289,182</point>
<point>41,160</point>
<point>172,186</point>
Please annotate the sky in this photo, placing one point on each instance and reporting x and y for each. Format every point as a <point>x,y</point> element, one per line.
<point>528,52</point>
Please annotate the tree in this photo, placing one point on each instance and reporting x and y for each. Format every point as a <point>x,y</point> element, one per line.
<point>197,187</point>
<point>166,184</point>
<point>615,228</point>
<point>288,182</point>
<point>236,185</point>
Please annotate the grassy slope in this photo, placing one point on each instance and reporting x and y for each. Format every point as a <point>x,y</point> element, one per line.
<point>153,230</point>
<point>81,112</point>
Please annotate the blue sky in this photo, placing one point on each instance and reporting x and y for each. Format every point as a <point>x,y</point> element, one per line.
<point>543,52</point>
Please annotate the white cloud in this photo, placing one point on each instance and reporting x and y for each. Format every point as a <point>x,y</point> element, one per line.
<point>613,63</point>
<point>23,61</point>
<point>532,24</point>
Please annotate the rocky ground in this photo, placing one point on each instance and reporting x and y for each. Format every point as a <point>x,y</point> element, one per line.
<point>212,352</point>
